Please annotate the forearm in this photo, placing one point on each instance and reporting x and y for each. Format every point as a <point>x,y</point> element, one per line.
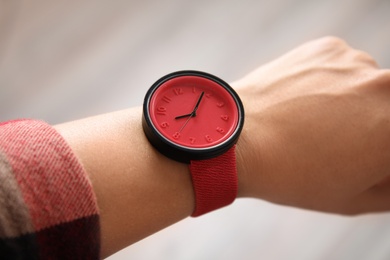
<point>315,136</point>
<point>138,190</point>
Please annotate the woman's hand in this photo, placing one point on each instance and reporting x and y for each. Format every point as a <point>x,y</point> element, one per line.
<point>317,130</point>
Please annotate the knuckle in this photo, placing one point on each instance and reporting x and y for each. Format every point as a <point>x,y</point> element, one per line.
<point>364,57</point>
<point>329,45</point>
<point>331,41</point>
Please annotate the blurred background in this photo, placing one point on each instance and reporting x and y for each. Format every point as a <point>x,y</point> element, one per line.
<point>66,59</point>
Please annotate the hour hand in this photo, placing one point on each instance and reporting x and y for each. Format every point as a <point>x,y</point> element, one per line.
<point>186,115</point>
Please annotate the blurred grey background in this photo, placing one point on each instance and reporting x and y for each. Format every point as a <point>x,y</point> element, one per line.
<point>66,59</point>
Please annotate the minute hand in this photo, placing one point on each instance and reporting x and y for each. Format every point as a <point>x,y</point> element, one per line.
<point>193,112</point>
<point>197,103</point>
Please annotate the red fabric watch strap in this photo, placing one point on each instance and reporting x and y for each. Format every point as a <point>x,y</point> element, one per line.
<point>215,182</point>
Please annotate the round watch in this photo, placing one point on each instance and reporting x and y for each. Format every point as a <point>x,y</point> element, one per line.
<point>196,118</point>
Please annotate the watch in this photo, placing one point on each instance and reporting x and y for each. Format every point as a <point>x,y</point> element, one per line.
<point>196,118</point>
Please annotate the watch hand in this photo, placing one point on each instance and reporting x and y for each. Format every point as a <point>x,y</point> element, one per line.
<point>193,113</point>
<point>197,103</point>
<point>189,117</point>
<point>186,115</point>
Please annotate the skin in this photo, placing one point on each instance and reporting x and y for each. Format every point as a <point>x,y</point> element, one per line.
<point>323,111</point>
<point>316,136</point>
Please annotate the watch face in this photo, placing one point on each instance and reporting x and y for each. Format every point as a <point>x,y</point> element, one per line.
<point>191,115</point>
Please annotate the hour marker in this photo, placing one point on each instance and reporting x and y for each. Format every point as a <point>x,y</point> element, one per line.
<point>161,110</point>
<point>220,130</point>
<point>164,124</point>
<point>208,138</point>
<point>176,135</point>
<point>220,104</point>
<point>166,99</point>
<point>225,117</point>
<point>209,95</point>
<point>178,91</point>
<point>192,140</point>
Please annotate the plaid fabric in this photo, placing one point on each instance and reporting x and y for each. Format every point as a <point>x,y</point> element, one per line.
<point>47,206</point>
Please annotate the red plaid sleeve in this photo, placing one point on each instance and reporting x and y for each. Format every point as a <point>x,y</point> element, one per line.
<point>47,206</point>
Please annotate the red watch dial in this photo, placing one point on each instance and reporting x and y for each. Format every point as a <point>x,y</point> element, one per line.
<point>194,111</point>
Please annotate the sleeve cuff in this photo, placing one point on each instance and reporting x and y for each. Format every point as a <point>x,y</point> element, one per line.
<point>49,191</point>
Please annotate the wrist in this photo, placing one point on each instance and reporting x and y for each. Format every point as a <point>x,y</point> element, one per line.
<point>255,152</point>
<point>248,181</point>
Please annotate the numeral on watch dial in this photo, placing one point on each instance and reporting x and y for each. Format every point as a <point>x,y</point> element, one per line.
<point>208,138</point>
<point>161,111</point>
<point>220,104</point>
<point>178,91</point>
<point>220,130</point>
<point>176,135</point>
<point>225,117</point>
<point>166,99</point>
<point>164,124</point>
